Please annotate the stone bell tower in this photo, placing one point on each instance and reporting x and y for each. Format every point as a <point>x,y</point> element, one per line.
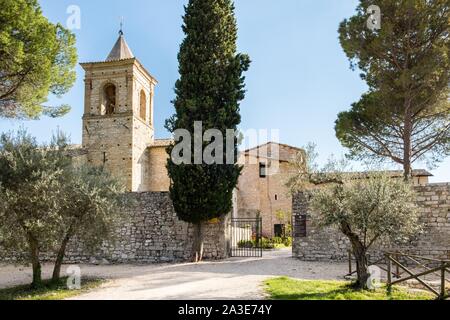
<point>118,115</point>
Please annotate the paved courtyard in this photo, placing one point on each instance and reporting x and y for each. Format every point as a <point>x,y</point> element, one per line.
<point>234,278</point>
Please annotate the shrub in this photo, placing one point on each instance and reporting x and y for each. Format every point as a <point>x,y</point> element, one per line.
<point>267,243</point>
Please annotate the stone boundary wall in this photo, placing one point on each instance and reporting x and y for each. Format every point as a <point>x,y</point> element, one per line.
<point>329,244</point>
<point>153,234</point>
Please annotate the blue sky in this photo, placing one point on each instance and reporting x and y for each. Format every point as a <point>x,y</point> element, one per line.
<point>299,78</point>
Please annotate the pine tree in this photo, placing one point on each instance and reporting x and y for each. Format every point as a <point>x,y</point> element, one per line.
<point>37,58</point>
<point>209,90</point>
<point>405,116</point>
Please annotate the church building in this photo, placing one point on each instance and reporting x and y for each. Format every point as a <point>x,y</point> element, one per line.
<point>118,122</point>
<point>118,133</point>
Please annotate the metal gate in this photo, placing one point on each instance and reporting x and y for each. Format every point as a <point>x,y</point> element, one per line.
<point>246,237</point>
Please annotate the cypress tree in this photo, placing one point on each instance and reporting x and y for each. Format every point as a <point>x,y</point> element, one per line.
<point>210,88</point>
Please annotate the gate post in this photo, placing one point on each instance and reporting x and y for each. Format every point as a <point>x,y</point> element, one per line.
<point>389,273</point>
<point>443,289</point>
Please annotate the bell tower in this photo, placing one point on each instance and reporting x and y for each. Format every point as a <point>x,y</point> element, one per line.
<point>118,115</point>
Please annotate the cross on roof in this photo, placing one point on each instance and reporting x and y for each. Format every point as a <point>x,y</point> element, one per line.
<point>121,26</point>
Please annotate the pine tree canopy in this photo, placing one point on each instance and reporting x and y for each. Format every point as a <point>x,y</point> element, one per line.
<point>405,116</point>
<point>37,58</point>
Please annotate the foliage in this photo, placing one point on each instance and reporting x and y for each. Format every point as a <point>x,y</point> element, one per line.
<point>289,289</point>
<point>307,174</point>
<point>364,207</point>
<point>91,204</point>
<point>284,241</point>
<point>405,116</point>
<point>373,208</point>
<point>367,210</point>
<point>281,242</point>
<point>46,202</point>
<point>49,290</point>
<point>209,90</point>
<point>90,210</point>
<point>36,58</point>
<point>248,244</point>
<point>30,190</point>
<point>285,218</point>
<point>264,243</point>
<point>267,243</point>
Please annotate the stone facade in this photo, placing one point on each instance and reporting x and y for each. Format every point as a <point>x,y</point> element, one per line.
<point>158,157</point>
<point>266,195</point>
<point>118,134</point>
<point>118,139</point>
<point>152,233</point>
<point>329,244</point>
<point>118,120</point>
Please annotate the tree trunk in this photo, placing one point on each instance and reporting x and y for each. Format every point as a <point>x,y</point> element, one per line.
<point>35,263</point>
<point>407,145</point>
<point>60,259</point>
<point>197,245</point>
<point>362,266</point>
<point>360,254</point>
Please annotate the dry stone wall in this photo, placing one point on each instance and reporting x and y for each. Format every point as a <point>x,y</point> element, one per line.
<point>329,244</point>
<point>152,234</point>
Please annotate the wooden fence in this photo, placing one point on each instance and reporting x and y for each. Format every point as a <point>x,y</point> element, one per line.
<point>401,267</point>
<point>424,266</point>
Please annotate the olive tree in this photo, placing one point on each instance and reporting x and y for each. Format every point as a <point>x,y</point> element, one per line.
<point>90,210</point>
<point>365,211</point>
<point>365,207</point>
<point>30,191</point>
<point>45,202</point>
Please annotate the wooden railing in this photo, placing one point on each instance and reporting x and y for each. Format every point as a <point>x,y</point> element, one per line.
<point>416,269</point>
<point>439,267</point>
<point>380,263</point>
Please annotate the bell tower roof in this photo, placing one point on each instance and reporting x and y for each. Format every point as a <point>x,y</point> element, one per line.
<point>119,56</point>
<point>120,51</point>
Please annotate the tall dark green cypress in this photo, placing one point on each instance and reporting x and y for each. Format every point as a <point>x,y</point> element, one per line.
<point>209,90</point>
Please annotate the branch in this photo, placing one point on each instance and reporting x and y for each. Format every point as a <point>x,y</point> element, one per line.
<point>373,240</point>
<point>16,86</point>
<point>419,153</point>
<point>387,154</point>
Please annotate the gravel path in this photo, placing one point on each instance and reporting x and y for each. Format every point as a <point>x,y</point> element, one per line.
<point>234,278</point>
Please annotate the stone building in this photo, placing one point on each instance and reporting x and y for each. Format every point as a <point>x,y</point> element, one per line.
<point>118,133</point>
<point>118,123</point>
<point>262,186</point>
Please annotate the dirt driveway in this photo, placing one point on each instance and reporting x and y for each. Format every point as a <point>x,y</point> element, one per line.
<point>234,278</point>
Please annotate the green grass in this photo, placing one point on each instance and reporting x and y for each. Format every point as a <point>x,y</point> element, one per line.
<point>48,291</point>
<point>289,289</point>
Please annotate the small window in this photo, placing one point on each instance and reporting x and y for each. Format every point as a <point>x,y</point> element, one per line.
<point>279,230</point>
<point>262,170</point>
<point>276,197</point>
<point>109,99</point>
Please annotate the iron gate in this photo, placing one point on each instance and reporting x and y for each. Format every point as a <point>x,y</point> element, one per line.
<point>246,237</point>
